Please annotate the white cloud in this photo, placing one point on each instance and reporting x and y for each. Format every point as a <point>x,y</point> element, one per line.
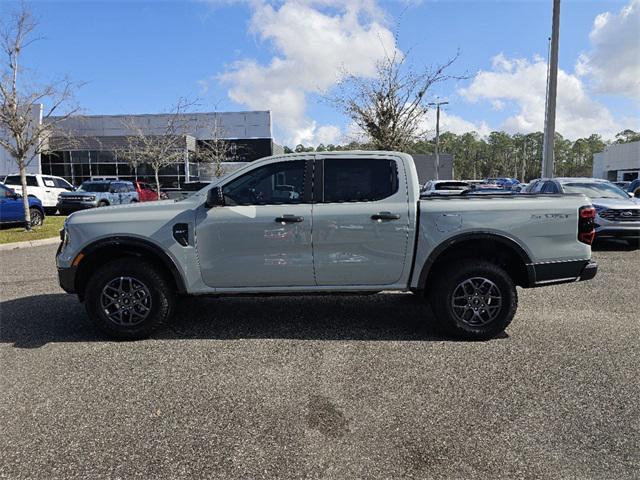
<point>520,84</point>
<point>454,124</point>
<point>613,63</point>
<point>328,134</point>
<point>497,105</point>
<point>314,40</point>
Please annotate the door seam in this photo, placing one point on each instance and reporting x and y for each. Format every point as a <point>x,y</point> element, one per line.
<point>313,252</point>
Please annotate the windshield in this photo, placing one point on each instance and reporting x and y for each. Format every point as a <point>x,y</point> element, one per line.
<point>595,189</point>
<point>94,187</point>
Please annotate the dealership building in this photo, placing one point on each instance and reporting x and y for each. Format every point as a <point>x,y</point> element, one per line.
<point>92,143</point>
<point>618,162</point>
<point>96,139</point>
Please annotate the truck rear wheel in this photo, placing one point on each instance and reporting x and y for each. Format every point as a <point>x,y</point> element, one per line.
<point>474,300</point>
<point>128,299</point>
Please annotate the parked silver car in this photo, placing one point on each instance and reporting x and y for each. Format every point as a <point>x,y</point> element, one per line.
<point>617,215</point>
<point>97,193</point>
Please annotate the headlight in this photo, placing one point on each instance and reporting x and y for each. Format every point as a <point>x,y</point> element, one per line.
<point>91,198</point>
<point>64,236</point>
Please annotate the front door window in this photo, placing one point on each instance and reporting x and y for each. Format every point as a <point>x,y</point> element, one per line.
<point>274,184</point>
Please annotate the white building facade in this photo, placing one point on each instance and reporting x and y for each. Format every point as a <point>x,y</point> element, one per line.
<point>618,162</point>
<point>97,138</point>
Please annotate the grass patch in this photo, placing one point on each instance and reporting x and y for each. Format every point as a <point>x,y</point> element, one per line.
<point>50,229</point>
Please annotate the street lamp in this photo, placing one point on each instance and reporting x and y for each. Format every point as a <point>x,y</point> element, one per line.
<point>437,105</point>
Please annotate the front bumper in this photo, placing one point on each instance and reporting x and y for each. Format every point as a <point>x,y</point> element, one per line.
<point>622,232</point>
<point>71,207</point>
<point>67,278</point>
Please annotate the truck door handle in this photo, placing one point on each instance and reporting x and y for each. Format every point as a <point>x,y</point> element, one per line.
<point>289,219</point>
<point>385,216</point>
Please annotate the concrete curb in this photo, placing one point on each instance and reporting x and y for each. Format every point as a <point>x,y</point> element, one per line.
<point>29,243</point>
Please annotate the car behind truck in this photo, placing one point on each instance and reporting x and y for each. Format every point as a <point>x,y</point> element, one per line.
<point>339,222</point>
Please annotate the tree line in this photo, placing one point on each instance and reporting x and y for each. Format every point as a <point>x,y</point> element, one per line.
<point>500,153</point>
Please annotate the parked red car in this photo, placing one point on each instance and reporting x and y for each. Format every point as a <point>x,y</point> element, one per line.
<point>145,191</point>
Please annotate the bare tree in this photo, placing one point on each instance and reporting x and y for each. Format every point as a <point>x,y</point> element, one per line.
<point>216,149</point>
<point>391,107</point>
<point>25,131</point>
<point>161,148</point>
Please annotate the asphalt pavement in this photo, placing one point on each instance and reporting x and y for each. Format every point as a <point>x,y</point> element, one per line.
<point>339,387</point>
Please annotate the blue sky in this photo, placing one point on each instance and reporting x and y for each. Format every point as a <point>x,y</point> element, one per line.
<point>139,57</point>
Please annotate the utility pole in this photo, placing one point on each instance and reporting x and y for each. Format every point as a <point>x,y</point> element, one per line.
<point>475,165</point>
<point>437,104</point>
<point>524,158</point>
<point>550,114</point>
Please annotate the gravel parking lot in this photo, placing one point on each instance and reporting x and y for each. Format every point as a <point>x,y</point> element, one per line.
<point>321,387</point>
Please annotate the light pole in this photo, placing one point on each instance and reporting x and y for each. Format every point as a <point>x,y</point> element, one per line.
<point>437,104</point>
<point>550,114</point>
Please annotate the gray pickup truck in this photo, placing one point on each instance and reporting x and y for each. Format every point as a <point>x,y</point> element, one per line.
<point>347,222</point>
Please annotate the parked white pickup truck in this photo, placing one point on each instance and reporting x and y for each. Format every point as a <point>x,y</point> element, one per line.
<point>330,222</point>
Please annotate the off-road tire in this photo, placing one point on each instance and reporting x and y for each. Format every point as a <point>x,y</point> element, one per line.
<point>158,286</point>
<point>102,203</point>
<point>446,284</point>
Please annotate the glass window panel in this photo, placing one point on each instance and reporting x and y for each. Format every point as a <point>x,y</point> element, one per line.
<point>359,180</point>
<point>106,169</point>
<point>15,180</point>
<point>106,157</point>
<point>277,183</point>
<point>80,156</point>
<point>125,169</point>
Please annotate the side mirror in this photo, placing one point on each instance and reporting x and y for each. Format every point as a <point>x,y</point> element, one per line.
<point>215,198</point>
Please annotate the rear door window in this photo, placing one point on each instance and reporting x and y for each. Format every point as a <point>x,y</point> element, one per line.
<point>359,179</point>
<point>48,182</point>
<point>15,180</point>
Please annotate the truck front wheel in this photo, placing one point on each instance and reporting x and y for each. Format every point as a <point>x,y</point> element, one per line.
<point>474,299</point>
<point>128,299</point>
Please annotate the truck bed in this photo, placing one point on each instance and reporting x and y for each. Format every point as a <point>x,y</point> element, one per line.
<point>548,222</point>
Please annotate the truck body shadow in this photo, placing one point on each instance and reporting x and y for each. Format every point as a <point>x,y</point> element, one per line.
<point>31,322</point>
<point>613,245</point>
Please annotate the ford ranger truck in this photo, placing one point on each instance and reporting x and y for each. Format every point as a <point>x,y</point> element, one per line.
<point>347,222</point>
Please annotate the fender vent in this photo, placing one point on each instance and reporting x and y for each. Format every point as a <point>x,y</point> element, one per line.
<point>181,234</point>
